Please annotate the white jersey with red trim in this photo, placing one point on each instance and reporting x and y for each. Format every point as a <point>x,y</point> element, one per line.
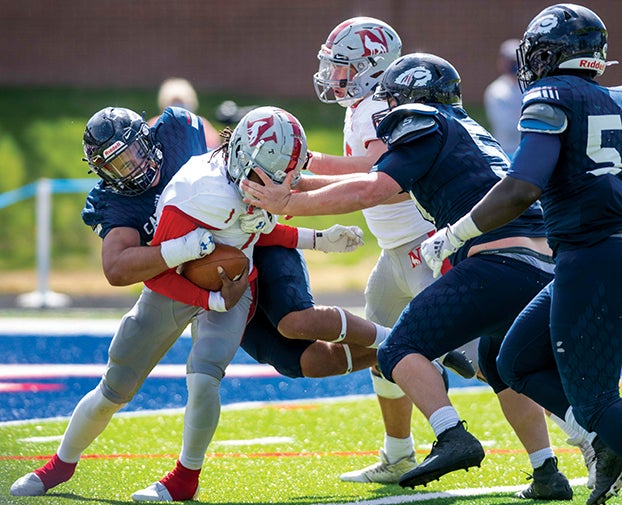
<point>394,224</point>
<point>201,190</point>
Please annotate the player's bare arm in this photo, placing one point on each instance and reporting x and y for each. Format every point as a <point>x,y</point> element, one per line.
<point>327,164</point>
<point>356,193</point>
<point>506,200</point>
<point>125,261</point>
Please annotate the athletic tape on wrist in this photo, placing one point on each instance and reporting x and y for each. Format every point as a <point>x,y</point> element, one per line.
<point>217,302</point>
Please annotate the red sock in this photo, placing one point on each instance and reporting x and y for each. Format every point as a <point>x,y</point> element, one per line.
<point>55,472</point>
<point>182,482</point>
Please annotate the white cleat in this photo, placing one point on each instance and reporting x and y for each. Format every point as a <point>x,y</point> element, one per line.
<point>589,457</point>
<point>157,492</point>
<point>28,485</point>
<point>382,472</point>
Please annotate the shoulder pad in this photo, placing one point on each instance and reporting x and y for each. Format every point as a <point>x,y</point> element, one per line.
<point>542,118</point>
<point>407,122</point>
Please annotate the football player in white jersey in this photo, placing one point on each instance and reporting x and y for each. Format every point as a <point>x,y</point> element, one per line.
<point>137,169</point>
<point>352,61</point>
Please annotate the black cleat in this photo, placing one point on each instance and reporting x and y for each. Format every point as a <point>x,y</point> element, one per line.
<point>608,474</point>
<point>548,484</point>
<point>458,363</point>
<point>455,449</point>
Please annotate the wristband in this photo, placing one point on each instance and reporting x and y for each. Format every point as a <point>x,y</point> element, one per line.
<point>306,238</point>
<point>170,252</point>
<point>216,302</point>
<point>465,228</point>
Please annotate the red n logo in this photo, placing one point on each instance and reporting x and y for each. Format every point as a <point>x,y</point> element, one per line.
<point>374,41</point>
<point>258,130</point>
<point>415,257</point>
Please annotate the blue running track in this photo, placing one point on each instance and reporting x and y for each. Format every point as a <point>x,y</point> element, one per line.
<point>46,366</point>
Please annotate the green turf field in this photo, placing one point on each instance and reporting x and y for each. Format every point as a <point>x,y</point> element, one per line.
<point>287,453</point>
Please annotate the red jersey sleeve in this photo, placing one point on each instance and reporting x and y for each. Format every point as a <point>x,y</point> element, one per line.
<point>172,224</point>
<point>283,235</point>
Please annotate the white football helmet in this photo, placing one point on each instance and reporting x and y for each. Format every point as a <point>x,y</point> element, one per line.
<point>353,59</point>
<point>268,138</point>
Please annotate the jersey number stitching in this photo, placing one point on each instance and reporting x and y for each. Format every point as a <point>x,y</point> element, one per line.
<point>595,149</point>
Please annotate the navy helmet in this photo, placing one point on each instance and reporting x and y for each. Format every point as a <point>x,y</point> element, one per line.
<point>118,147</point>
<point>420,78</point>
<point>562,37</point>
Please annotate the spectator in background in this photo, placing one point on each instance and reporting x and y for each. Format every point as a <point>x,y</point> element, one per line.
<point>178,92</point>
<point>502,99</point>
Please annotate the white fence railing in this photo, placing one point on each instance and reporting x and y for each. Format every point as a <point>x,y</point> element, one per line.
<point>42,190</point>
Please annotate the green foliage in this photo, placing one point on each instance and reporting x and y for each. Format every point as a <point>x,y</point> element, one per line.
<point>317,441</point>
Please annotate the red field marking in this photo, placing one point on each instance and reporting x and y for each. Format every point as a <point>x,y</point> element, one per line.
<point>28,387</point>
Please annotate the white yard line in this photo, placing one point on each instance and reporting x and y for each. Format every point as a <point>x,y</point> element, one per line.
<point>452,493</point>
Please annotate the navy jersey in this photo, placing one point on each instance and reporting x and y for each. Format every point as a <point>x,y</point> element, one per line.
<point>180,135</point>
<point>449,169</point>
<point>582,198</point>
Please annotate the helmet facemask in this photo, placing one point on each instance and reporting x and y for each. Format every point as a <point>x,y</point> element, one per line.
<point>345,81</point>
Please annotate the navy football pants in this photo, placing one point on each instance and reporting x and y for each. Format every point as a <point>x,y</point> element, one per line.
<point>283,287</point>
<point>479,297</point>
<point>578,360</point>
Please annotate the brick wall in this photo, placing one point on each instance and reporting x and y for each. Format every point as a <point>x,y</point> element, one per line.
<point>248,47</point>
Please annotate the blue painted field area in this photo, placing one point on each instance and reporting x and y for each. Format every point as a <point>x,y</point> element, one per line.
<point>46,366</point>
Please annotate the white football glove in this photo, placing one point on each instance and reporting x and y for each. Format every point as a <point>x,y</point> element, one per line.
<point>338,238</point>
<point>258,221</point>
<point>195,244</point>
<point>438,247</point>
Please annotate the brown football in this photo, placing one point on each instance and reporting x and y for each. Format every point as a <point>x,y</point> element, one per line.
<point>203,271</point>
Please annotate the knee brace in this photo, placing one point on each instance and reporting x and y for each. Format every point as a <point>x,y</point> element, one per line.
<point>344,325</point>
<point>348,353</point>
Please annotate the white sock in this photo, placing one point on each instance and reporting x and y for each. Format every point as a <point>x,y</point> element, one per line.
<point>443,419</point>
<point>200,418</point>
<point>538,458</point>
<point>398,448</point>
<point>88,420</point>
<point>382,332</point>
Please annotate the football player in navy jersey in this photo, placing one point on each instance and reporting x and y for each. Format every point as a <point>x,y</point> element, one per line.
<point>570,159</point>
<point>135,164</point>
<point>447,162</point>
